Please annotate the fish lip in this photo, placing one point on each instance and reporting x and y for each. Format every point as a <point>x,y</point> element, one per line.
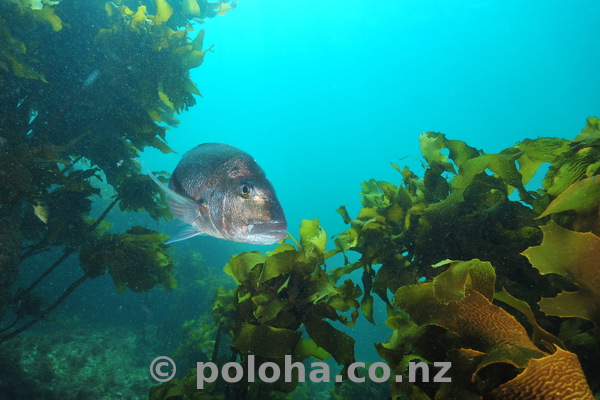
<point>268,229</point>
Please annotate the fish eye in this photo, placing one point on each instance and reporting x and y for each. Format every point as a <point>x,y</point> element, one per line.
<point>246,190</point>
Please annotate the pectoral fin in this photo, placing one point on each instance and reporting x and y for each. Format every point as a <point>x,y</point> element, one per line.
<point>186,233</point>
<point>183,208</point>
<point>172,194</point>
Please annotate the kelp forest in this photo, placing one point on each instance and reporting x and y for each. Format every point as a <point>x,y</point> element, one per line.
<point>489,261</point>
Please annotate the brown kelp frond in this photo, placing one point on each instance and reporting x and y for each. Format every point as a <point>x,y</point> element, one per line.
<point>557,374</point>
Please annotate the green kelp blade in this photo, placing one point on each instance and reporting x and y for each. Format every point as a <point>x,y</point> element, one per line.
<point>240,266</point>
<point>336,343</point>
<point>265,341</point>
<point>278,264</point>
<point>270,310</point>
<point>450,285</point>
<point>583,197</point>
<point>308,348</point>
<point>580,160</point>
<point>576,256</point>
<point>536,152</point>
<point>591,131</point>
<point>312,236</point>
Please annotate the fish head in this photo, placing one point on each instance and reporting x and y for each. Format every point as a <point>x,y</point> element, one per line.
<point>221,191</point>
<point>254,213</point>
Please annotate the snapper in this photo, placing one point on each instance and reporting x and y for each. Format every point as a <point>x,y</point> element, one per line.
<point>221,191</point>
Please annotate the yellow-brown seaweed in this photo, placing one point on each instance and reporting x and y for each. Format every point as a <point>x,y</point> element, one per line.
<point>576,256</point>
<point>555,377</point>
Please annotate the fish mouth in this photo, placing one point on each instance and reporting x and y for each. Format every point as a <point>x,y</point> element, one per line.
<point>270,229</point>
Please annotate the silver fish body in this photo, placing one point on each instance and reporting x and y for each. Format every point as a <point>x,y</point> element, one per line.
<point>220,190</point>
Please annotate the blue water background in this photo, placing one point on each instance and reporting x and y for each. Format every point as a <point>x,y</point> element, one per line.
<point>326,94</point>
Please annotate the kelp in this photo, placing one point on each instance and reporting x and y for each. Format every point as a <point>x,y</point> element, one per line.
<point>581,159</point>
<point>279,294</point>
<point>570,246</point>
<point>487,338</point>
<point>184,388</point>
<point>578,206</point>
<point>14,56</point>
<point>464,208</point>
<point>558,374</point>
<point>366,389</point>
<point>287,289</point>
<point>460,209</point>
<point>576,256</point>
<point>196,344</point>
<point>139,192</point>
<point>136,259</point>
<point>72,134</point>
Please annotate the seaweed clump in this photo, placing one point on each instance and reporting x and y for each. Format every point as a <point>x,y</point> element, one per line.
<point>279,295</point>
<point>84,88</point>
<point>491,353</point>
<point>475,206</point>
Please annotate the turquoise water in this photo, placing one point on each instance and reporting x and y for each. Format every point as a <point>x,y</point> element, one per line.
<point>325,94</point>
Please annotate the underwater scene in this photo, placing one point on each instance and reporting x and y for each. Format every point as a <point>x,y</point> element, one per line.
<point>299,199</point>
